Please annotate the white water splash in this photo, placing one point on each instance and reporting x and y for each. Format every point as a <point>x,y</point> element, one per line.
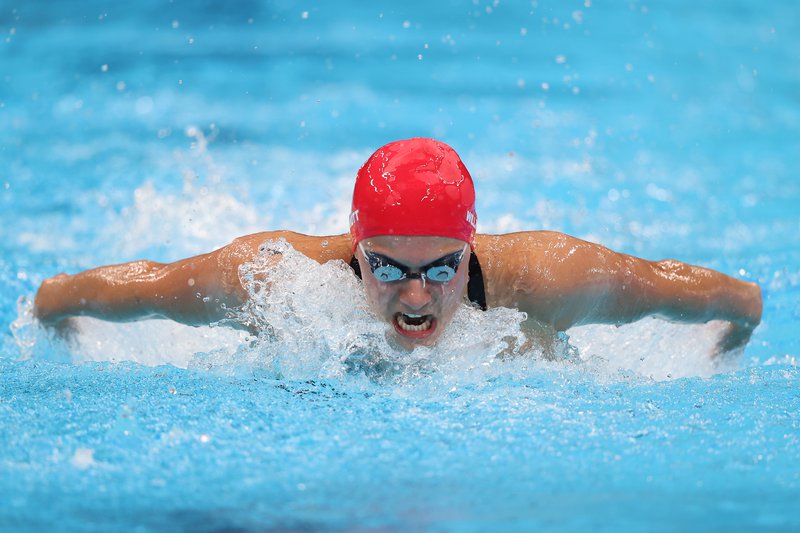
<point>653,348</point>
<point>148,342</point>
<point>203,216</point>
<point>314,322</point>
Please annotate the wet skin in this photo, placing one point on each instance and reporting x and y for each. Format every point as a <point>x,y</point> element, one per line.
<point>418,310</point>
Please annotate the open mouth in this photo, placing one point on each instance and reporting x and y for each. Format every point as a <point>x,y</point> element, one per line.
<point>411,325</point>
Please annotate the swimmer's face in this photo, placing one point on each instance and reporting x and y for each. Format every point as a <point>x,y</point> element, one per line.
<point>417,308</point>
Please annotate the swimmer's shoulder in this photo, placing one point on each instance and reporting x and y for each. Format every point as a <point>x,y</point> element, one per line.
<point>320,248</point>
<point>515,264</point>
<point>223,263</point>
<point>511,248</point>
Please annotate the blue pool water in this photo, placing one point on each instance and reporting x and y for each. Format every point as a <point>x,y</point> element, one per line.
<point>161,129</point>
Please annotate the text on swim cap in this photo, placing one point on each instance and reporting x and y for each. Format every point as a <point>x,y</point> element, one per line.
<point>472,219</point>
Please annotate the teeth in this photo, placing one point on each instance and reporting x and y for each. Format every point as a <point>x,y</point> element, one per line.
<point>401,319</point>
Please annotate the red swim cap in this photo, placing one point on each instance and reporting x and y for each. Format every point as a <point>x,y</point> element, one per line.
<point>413,187</point>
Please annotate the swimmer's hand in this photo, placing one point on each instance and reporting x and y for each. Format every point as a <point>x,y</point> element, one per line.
<point>46,310</point>
<point>746,309</point>
<point>47,306</point>
<point>734,337</point>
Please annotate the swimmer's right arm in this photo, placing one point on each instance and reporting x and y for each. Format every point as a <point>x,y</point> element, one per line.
<point>194,291</point>
<point>191,291</point>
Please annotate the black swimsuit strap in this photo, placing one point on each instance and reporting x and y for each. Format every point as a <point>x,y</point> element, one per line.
<point>475,289</point>
<point>355,266</point>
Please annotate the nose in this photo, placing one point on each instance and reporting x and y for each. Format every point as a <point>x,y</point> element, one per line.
<point>414,294</point>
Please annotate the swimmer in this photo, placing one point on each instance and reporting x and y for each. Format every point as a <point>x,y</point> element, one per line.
<point>412,241</point>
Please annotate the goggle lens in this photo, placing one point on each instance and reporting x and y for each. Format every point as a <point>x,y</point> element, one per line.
<point>387,273</point>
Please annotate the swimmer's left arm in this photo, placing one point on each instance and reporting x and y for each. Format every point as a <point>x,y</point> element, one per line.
<point>574,282</point>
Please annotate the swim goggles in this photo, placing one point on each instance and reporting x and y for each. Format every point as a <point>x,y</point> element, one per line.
<point>387,270</point>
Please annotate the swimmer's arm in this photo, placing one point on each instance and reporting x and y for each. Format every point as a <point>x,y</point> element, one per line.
<point>578,282</point>
<point>194,291</point>
<point>191,291</point>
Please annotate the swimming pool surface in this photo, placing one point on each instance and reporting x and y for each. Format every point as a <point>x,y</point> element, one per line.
<point>161,129</point>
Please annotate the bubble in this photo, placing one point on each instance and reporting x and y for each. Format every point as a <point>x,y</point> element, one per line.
<point>144,105</point>
<point>83,458</point>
